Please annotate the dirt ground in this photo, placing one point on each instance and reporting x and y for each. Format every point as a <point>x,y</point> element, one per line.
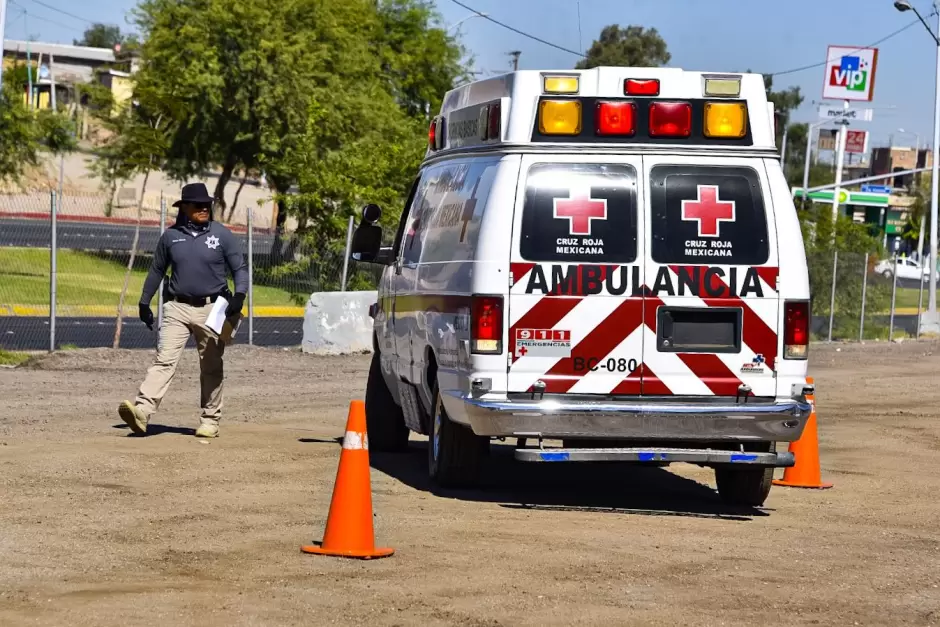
<point>98,528</point>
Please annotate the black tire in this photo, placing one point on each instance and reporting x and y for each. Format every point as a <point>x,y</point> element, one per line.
<point>385,422</point>
<point>745,486</point>
<point>455,453</point>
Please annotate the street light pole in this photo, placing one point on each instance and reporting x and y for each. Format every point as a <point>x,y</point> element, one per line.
<point>460,21</point>
<point>929,321</point>
<point>3,28</point>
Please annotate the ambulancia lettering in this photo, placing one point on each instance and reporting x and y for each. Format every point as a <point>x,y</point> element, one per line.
<point>701,281</point>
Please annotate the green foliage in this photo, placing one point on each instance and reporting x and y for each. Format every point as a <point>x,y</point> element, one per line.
<point>633,46</point>
<point>107,36</point>
<point>821,239</point>
<point>24,133</point>
<point>18,135</point>
<point>10,358</point>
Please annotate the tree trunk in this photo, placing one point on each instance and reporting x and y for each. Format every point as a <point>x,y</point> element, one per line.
<point>238,192</point>
<point>130,263</point>
<point>224,177</point>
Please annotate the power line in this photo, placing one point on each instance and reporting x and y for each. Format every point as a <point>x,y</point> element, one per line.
<point>58,10</point>
<point>874,43</point>
<point>517,31</point>
<point>40,18</point>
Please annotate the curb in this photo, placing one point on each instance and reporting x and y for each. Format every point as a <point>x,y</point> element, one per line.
<point>107,311</point>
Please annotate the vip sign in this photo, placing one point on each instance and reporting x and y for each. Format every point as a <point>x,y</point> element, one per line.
<point>850,73</point>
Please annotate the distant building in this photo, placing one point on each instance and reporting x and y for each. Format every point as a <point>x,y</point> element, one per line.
<point>889,159</point>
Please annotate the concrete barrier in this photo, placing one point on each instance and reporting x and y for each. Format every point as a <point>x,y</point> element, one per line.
<point>338,323</point>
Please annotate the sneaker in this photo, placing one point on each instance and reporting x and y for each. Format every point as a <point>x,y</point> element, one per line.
<point>134,417</point>
<point>207,430</point>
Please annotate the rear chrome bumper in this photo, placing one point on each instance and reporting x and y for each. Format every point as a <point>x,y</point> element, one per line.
<point>710,457</point>
<point>780,421</point>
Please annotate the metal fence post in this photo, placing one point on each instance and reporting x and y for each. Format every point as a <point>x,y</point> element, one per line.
<point>861,321</point>
<point>832,298</point>
<point>53,263</point>
<point>160,289</point>
<point>920,304</point>
<point>251,280</point>
<point>349,234</point>
<point>894,291</point>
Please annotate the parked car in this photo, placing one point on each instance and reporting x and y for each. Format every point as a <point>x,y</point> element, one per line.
<point>908,269</point>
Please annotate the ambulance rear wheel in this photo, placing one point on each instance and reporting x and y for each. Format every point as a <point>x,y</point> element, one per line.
<point>746,486</point>
<point>385,421</point>
<point>455,453</point>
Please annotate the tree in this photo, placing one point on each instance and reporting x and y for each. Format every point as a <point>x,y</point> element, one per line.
<point>633,46</point>
<point>23,134</point>
<point>103,36</point>
<point>138,144</point>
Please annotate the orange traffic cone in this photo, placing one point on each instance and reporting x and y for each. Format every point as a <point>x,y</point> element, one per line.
<point>805,473</point>
<point>349,530</point>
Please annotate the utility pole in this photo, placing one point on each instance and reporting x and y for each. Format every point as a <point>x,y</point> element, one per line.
<point>515,59</point>
<point>3,29</point>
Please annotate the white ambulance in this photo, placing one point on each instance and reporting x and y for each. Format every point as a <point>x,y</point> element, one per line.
<point>601,265</point>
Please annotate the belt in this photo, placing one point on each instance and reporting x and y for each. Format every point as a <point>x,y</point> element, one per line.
<point>195,301</point>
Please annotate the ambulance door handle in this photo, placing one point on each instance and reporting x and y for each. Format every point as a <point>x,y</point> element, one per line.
<point>398,266</point>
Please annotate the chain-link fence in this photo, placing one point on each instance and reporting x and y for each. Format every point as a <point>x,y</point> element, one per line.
<point>72,269</point>
<point>859,297</point>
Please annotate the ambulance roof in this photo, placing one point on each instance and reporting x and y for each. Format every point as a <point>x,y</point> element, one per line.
<point>619,108</point>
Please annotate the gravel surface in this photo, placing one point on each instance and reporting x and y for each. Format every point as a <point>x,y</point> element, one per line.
<point>98,528</point>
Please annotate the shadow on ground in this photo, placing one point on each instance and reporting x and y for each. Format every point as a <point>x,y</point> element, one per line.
<point>615,488</point>
<point>157,429</point>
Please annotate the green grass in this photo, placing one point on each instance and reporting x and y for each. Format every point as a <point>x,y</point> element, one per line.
<point>907,297</point>
<point>8,358</point>
<point>84,279</point>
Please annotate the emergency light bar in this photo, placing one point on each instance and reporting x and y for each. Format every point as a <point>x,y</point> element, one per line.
<point>644,120</point>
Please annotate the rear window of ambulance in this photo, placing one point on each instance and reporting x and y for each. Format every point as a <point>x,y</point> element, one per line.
<point>580,213</point>
<point>707,215</point>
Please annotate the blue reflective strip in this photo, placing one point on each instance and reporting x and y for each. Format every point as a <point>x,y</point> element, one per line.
<point>554,457</point>
<point>743,458</point>
<point>646,457</point>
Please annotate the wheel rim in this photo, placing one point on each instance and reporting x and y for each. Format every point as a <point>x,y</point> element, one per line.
<point>436,434</point>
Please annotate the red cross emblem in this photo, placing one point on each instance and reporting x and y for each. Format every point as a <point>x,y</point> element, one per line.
<point>523,350</point>
<point>708,210</point>
<point>580,209</point>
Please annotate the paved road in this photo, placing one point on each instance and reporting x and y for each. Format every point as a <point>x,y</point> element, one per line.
<point>93,235</point>
<point>28,333</point>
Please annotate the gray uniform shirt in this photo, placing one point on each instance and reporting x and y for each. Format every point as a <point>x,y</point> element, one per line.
<point>199,258</point>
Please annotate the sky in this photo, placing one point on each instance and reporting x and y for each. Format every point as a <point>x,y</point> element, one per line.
<point>765,36</point>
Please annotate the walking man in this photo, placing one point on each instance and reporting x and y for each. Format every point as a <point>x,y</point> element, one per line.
<point>199,251</point>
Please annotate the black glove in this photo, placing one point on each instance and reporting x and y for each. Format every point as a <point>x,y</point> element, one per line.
<point>235,305</point>
<point>146,315</point>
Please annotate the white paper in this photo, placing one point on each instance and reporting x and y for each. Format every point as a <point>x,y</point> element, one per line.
<point>217,316</point>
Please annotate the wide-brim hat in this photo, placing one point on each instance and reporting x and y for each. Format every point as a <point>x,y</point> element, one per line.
<point>195,193</point>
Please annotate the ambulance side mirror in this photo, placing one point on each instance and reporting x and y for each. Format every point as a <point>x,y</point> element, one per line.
<point>367,239</point>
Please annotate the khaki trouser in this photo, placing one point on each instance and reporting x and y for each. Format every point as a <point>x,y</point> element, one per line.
<point>179,321</point>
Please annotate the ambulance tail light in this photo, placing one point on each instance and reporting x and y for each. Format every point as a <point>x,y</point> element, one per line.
<point>486,325</point>
<point>616,118</point>
<point>641,87</point>
<point>492,122</point>
<point>560,117</point>
<point>725,119</point>
<point>795,329</point>
<point>729,86</point>
<point>560,84</point>
<point>670,119</point>
<point>436,133</point>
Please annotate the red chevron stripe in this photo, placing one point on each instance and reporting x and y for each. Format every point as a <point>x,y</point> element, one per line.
<point>604,338</point>
<point>519,270</point>
<point>653,385</point>
<point>544,315</point>
<point>769,275</point>
<point>759,337</point>
<point>713,372</point>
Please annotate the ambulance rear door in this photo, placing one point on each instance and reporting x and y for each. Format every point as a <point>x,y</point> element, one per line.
<point>576,308</point>
<point>711,265</point>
